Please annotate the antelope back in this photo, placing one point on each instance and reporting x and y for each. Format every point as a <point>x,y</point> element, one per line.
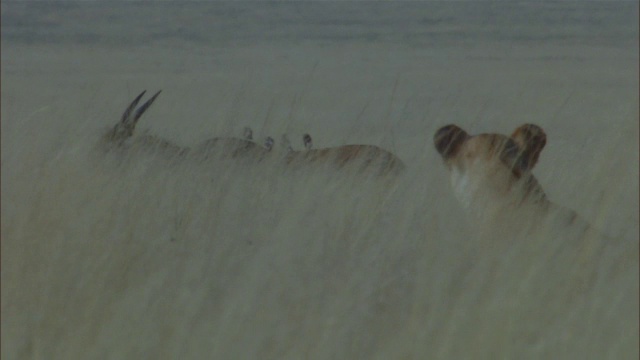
<point>359,157</point>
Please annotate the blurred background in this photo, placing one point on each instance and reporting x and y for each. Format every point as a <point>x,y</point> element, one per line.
<point>131,256</point>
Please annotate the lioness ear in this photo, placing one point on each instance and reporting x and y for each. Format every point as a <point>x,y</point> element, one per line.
<point>448,140</point>
<point>531,139</point>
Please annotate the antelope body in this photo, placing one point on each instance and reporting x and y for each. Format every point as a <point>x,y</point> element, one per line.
<point>234,147</point>
<point>122,136</point>
<point>361,157</point>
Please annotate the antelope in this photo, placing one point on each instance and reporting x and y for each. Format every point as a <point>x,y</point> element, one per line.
<point>364,157</point>
<point>234,147</point>
<point>122,136</point>
<point>122,132</point>
<point>491,173</point>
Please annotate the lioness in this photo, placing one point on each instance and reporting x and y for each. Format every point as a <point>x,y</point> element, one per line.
<point>491,173</point>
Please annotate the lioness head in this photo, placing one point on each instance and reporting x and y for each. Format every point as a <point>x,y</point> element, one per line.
<point>489,170</point>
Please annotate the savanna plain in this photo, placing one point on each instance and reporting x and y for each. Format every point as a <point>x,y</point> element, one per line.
<point>128,255</point>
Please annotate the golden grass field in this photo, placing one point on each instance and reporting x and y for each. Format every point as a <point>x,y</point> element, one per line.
<point>132,256</point>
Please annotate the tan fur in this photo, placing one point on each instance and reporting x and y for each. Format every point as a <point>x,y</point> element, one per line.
<point>491,173</point>
<point>491,176</point>
<point>362,157</point>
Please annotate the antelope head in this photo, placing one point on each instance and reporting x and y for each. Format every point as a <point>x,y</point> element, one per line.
<point>125,127</point>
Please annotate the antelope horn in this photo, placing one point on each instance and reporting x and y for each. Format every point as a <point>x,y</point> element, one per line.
<point>127,113</point>
<point>144,107</point>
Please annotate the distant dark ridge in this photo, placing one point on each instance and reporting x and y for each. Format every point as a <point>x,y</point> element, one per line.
<point>218,24</point>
